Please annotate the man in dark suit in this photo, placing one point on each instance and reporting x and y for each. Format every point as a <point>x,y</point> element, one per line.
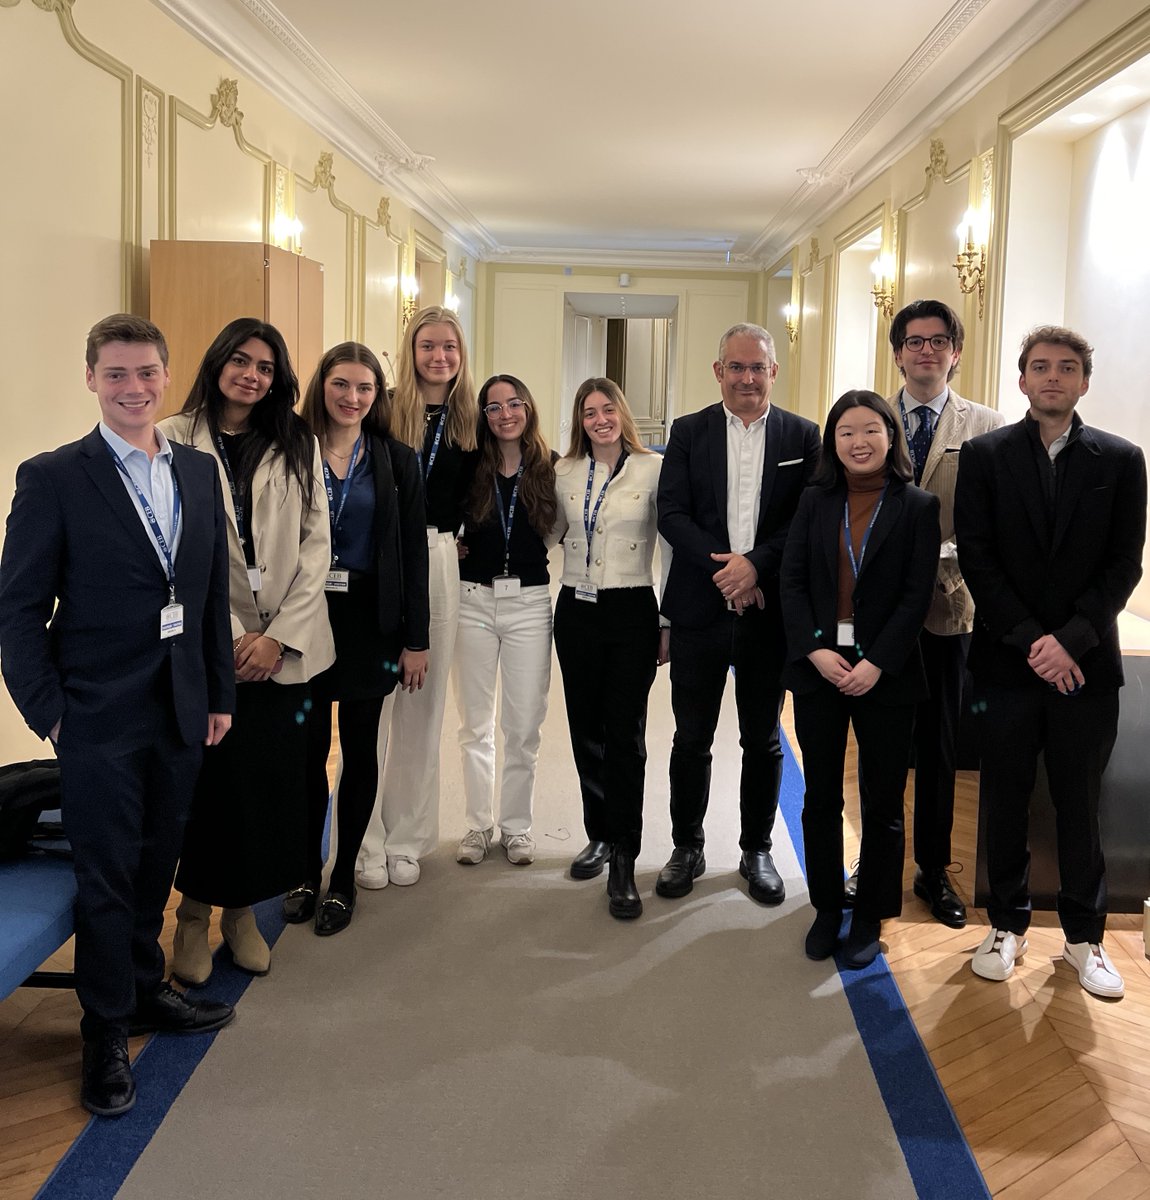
<point>1051,518</point>
<point>730,483</point>
<point>115,644</point>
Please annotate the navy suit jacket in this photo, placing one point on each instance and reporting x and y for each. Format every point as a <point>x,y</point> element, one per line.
<point>81,590</point>
<point>693,507</point>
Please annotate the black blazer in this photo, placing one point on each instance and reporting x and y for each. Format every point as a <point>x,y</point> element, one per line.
<point>891,596</point>
<point>1028,576</point>
<point>400,542</point>
<point>693,507</point>
<point>76,544</point>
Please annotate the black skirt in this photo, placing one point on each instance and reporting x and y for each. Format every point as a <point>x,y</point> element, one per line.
<point>366,663</point>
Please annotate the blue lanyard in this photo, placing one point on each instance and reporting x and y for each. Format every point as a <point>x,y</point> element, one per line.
<point>509,520</point>
<point>333,511</point>
<point>153,524</point>
<point>434,445</point>
<point>237,500</point>
<point>856,566</point>
<point>589,516</point>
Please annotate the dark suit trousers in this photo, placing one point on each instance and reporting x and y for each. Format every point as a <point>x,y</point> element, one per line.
<point>700,658</point>
<point>884,733</point>
<point>124,811</point>
<point>607,653</point>
<point>936,723</point>
<point>1075,734</point>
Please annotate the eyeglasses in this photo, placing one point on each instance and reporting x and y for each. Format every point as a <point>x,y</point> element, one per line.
<point>939,341</point>
<point>512,406</point>
<point>758,370</point>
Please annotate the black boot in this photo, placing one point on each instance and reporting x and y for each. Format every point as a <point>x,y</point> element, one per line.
<point>622,895</point>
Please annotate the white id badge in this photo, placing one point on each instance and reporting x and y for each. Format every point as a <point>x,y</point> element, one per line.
<point>432,537</point>
<point>171,621</point>
<point>846,633</point>
<point>255,578</point>
<point>587,591</point>
<point>505,585</point>
<point>337,581</point>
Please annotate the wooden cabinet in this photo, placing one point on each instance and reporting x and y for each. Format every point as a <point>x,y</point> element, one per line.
<point>198,287</point>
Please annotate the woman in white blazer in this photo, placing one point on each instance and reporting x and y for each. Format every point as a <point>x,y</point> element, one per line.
<point>607,627</point>
<point>246,837</point>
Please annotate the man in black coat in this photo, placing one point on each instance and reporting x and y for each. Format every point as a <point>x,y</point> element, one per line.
<point>731,480</point>
<point>1051,517</point>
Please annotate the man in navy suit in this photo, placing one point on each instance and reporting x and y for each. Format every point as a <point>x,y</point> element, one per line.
<point>115,644</point>
<point>730,484</point>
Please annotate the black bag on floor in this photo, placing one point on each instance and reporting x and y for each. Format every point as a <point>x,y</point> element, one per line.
<point>27,790</point>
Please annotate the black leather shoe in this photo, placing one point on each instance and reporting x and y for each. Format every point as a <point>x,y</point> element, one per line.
<point>334,914</point>
<point>851,889</point>
<point>299,905</point>
<point>823,936</point>
<point>862,946</point>
<point>167,1011</point>
<point>591,860</point>
<point>622,895</point>
<point>764,883</point>
<point>678,877</point>
<point>107,1088</point>
<point>936,889</point>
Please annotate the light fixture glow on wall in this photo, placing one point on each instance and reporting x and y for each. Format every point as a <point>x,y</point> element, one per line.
<point>286,231</point>
<point>451,301</point>
<point>789,314</point>
<point>409,289</point>
<point>883,290</point>
<point>971,260</point>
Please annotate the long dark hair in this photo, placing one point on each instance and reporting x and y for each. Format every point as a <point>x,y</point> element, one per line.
<point>272,422</point>
<point>314,411</point>
<point>537,487</point>
<point>829,473</point>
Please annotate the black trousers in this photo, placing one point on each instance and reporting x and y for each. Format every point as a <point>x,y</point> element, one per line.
<point>124,810</point>
<point>700,660</point>
<point>1075,734</point>
<point>607,653</point>
<point>936,721</point>
<point>883,733</point>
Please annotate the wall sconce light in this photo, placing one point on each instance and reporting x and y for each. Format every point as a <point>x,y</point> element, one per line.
<point>971,260</point>
<point>883,290</point>
<point>451,301</point>
<point>789,314</point>
<point>409,289</point>
<point>286,232</point>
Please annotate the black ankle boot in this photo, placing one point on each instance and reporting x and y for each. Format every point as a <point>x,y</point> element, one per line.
<point>622,895</point>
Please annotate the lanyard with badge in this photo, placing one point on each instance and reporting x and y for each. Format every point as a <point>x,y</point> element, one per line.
<point>337,579</point>
<point>172,614</point>
<point>255,579</point>
<point>586,590</point>
<point>425,470</point>
<point>846,629</point>
<point>506,584</point>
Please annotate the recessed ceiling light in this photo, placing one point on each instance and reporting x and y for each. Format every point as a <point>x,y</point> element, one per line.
<point>1083,119</point>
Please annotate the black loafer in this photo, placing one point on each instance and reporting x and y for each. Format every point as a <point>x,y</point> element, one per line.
<point>591,860</point>
<point>764,883</point>
<point>823,936</point>
<point>334,914</point>
<point>678,877</point>
<point>167,1011</point>
<point>107,1088</point>
<point>299,905</point>
<point>862,946</point>
<point>936,889</point>
<point>623,900</point>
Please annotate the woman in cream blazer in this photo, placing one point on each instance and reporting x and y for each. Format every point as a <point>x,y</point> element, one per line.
<point>607,627</point>
<point>246,838</point>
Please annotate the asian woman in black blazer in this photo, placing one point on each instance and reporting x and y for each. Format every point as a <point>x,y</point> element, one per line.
<point>856,581</point>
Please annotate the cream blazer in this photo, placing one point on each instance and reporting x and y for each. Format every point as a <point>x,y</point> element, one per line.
<point>292,550</point>
<point>624,542</point>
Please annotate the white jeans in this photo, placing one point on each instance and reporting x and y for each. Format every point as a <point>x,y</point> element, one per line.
<point>509,638</point>
<point>406,817</point>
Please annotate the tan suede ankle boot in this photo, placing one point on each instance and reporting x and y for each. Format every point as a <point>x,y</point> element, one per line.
<point>191,955</point>
<point>249,950</point>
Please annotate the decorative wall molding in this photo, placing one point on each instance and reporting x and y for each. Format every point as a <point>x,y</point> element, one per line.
<point>937,167</point>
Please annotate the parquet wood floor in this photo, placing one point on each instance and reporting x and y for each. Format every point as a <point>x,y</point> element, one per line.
<point>1051,1086</point>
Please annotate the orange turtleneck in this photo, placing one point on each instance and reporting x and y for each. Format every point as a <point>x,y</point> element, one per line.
<point>863,493</point>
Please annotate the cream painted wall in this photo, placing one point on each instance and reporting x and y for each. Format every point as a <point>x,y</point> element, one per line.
<point>856,324</point>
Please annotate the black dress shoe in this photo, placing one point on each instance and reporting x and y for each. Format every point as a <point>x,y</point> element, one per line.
<point>334,914</point>
<point>936,889</point>
<point>622,895</point>
<point>823,936</point>
<point>167,1011</point>
<point>299,905</point>
<point>678,877</point>
<point>851,889</point>
<point>591,860</point>
<point>107,1088</point>
<point>862,946</point>
<point>764,883</point>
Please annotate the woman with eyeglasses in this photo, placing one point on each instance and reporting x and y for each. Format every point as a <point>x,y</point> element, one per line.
<point>607,628</point>
<point>504,619</point>
<point>856,580</point>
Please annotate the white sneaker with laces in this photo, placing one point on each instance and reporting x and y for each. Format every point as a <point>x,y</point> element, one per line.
<point>994,959</point>
<point>519,848</point>
<point>371,875</point>
<point>403,871</point>
<point>1096,972</point>
<point>473,846</point>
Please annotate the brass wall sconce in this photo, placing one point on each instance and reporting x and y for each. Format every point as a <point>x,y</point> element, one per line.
<point>882,291</point>
<point>789,314</point>
<point>970,263</point>
<point>409,288</point>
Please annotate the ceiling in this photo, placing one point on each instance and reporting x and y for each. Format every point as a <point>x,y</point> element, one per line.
<point>645,132</point>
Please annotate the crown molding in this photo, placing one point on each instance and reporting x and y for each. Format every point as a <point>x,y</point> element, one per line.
<point>655,260</point>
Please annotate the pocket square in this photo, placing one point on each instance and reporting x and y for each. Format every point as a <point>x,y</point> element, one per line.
<point>791,462</point>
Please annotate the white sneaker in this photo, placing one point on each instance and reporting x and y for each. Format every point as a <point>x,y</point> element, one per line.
<point>519,847</point>
<point>473,846</point>
<point>372,875</point>
<point>994,959</point>
<point>402,870</point>
<point>1096,972</point>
